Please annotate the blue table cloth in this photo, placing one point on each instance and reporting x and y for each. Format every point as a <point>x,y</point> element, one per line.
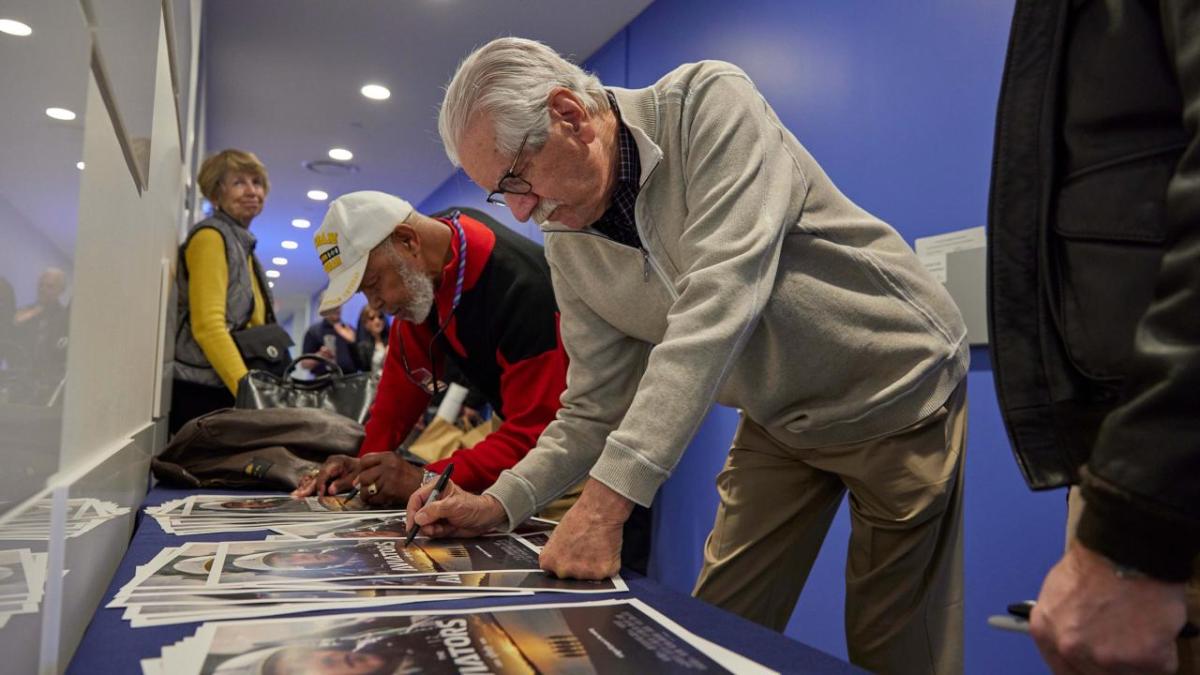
<point>110,645</point>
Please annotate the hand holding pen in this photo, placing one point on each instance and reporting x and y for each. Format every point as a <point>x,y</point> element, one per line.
<point>456,513</point>
<point>438,488</point>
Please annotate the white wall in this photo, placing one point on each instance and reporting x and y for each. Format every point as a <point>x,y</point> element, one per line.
<point>124,246</point>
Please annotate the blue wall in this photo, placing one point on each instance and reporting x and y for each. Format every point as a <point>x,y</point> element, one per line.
<point>897,101</point>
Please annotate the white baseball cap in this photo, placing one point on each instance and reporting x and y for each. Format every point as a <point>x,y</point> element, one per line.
<point>355,224</point>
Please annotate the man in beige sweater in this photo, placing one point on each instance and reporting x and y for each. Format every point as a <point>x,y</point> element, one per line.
<point>699,254</point>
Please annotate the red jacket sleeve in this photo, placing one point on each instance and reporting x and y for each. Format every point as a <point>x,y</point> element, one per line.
<point>398,403</point>
<point>531,389</point>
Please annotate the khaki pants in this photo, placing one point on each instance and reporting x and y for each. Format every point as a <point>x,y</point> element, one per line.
<point>904,567</point>
<point>1189,650</point>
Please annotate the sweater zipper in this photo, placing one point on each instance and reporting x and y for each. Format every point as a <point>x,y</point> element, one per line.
<point>647,261</point>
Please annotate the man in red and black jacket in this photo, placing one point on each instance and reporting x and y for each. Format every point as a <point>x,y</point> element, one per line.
<point>491,312</point>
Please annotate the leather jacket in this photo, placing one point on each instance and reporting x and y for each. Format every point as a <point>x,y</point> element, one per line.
<point>1094,267</point>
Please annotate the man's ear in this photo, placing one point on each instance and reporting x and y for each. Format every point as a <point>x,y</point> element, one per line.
<point>568,110</point>
<point>406,240</point>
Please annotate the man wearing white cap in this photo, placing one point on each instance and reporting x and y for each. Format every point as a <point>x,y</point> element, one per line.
<point>467,290</point>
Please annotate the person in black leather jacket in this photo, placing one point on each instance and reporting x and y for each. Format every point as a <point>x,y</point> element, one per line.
<point>1094,305</point>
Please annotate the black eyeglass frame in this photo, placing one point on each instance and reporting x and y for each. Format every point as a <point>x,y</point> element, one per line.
<point>428,381</point>
<point>515,184</point>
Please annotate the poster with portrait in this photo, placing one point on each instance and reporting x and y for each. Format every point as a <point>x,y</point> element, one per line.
<point>16,574</point>
<point>205,514</point>
<point>210,505</point>
<point>609,636</point>
<point>381,527</point>
<point>239,563</point>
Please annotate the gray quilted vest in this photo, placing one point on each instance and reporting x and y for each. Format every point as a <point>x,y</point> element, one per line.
<point>191,365</point>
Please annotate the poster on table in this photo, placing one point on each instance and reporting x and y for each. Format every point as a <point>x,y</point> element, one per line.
<point>610,636</point>
<point>380,527</point>
<point>240,563</point>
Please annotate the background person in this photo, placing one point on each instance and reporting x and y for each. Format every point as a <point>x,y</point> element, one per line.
<point>40,331</point>
<point>8,310</point>
<point>221,284</point>
<point>332,339</point>
<point>370,340</point>
<point>1094,294</point>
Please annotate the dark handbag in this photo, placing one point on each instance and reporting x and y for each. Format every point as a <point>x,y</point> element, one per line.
<point>264,347</point>
<point>348,395</point>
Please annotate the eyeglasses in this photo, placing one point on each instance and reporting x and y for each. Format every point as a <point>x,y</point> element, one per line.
<point>423,378</point>
<point>511,183</point>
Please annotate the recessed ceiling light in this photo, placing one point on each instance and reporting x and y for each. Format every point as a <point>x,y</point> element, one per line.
<point>341,154</point>
<point>318,195</point>
<point>14,27</point>
<point>79,165</point>
<point>288,243</point>
<point>376,91</point>
<point>60,114</point>
<point>279,260</point>
<point>274,274</point>
<point>301,223</point>
<point>270,284</point>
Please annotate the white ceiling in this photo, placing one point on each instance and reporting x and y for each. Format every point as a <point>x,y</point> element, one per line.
<point>284,79</point>
<point>39,184</point>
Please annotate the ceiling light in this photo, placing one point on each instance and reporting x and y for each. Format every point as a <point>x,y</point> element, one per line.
<point>301,223</point>
<point>376,91</point>
<point>318,195</point>
<point>273,274</point>
<point>341,154</point>
<point>13,27</point>
<point>60,114</point>
<point>288,243</point>
<point>279,260</point>
<point>270,284</point>
<point>79,165</point>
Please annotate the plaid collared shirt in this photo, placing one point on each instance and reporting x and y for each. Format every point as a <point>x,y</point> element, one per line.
<point>617,223</point>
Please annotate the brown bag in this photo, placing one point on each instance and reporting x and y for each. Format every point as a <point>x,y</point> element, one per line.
<point>262,449</point>
<point>440,439</point>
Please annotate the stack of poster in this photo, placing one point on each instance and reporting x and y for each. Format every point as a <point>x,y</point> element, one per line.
<point>206,514</point>
<point>220,580</point>
<point>83,515</point>
<point>375,525</point>
<point>22,580</point>
<point>610,636</point>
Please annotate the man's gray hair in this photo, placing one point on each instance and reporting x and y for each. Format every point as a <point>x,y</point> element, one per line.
<point>510,79</point>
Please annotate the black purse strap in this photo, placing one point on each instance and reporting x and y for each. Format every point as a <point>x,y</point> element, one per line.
<point>333,366</point>
<point>265,288</point>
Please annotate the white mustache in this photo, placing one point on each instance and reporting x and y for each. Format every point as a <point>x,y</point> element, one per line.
<point>541,213</point>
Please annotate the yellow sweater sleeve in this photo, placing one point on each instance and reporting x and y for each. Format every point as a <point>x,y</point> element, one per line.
<point>209,281</point>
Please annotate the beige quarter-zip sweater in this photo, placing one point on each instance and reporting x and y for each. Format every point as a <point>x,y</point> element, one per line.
<point>760,286</point>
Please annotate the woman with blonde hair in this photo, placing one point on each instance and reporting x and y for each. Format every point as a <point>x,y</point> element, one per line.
<point>224,298</point>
